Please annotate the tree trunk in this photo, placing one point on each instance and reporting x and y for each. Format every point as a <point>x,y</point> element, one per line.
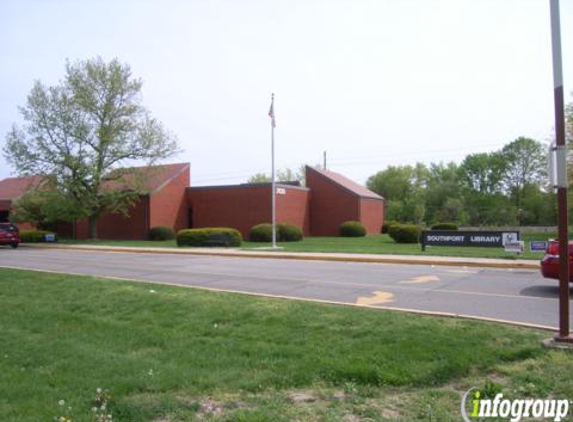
<point>92,221</point>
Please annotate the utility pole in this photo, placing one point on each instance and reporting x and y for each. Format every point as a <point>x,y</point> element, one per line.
<point>561,164</point>
<point>324,160</point>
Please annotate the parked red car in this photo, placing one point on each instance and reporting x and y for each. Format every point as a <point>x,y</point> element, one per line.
<point>9,235</point>
<point>550,262</point>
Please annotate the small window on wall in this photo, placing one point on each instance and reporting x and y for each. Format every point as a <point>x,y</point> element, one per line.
<point>4,215</point>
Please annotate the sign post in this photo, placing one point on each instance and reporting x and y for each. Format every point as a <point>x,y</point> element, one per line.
<point>561,164</point>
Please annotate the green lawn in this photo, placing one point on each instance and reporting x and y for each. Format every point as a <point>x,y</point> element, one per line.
<point>378,244</point>
<point>174,354</point>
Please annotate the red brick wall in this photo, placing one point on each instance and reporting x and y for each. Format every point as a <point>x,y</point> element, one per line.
<point>168,206</point>
<point>116,226</point>
<point>372,214</point>
<point>330,205</point>
<point>293,208</point>
<point>241,207</point>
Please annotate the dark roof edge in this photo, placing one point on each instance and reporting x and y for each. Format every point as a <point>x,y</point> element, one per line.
<point>332,181</point>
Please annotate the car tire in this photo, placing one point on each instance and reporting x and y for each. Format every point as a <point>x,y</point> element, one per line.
<point>14,245</point>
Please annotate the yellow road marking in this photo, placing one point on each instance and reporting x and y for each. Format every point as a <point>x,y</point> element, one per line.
<point>379,297</point>
<point>422,279</point>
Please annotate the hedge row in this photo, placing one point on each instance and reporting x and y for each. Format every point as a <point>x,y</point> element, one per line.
<point>285,233</point>
<point>352,229</point>
<point>405,233</point>
<point>445,226</point>
<point>205,236</point>
<point>35,236</point>
<point>161,233</point>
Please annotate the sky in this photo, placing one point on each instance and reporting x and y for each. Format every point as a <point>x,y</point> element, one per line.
<point>371,82</point>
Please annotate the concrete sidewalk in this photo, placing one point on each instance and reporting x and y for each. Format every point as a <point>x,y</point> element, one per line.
<point>312,256</point>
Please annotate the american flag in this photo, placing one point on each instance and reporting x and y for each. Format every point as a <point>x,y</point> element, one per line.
<point>272,112</point>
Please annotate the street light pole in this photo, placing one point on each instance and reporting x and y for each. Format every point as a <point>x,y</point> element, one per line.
<point>561,152</point>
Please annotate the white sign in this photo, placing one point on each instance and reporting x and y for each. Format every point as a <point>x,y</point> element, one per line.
<point>508,238</point>
<point>516,246</point>
<point>281,191</point>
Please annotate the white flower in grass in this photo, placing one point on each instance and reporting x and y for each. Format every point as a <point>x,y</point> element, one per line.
<point>98,391</point>
<point>150,373</point>
<point>94,409</point>
<point>62,402</point>
<point>152,291</point>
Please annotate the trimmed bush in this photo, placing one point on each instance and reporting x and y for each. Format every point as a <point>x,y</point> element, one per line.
<point>386,225</point>
<point>201,237</point>
<point>289,233</point>
<point>161,233</point>
<point>35,236</point>
<point>261,233</point>
<point>352,229</point>
<point>285,233</point>
<point>405,233</point>
<point>444,226</point>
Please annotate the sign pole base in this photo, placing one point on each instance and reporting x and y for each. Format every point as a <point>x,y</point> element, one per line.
<point>563,339</point>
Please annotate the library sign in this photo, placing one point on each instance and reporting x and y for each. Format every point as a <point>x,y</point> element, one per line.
<point>496,239</point>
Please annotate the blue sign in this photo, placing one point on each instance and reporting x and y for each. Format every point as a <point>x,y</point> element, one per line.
<point>538,245</point>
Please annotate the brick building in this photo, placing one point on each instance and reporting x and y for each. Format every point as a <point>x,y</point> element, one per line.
<point>328,200</point>
<point>13,188</point>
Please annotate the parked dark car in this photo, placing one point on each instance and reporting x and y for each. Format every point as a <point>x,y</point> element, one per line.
<point>9,235</point>
<point>550,262</point>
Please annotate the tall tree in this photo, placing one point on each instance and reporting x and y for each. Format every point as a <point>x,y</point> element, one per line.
<point>483,172</point>
<point>525,161</point>
<point>79,131</point>
<point>443,188</point>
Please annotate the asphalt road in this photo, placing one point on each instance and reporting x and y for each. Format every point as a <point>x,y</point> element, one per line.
<point>507,294</point>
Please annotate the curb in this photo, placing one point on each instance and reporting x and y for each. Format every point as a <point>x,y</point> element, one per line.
<point>301,256</point>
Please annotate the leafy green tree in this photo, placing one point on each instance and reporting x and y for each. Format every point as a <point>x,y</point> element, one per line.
<point>79,131</point>
<point>443,188</point>
<point>397,183</point>
<point>403,188</point>
<point>483,172</point>
<point>526,163</point>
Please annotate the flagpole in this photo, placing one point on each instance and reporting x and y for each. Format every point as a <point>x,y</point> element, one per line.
<point>273,184</point>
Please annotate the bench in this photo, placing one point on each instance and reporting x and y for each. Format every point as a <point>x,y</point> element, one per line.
<point>218,239</point>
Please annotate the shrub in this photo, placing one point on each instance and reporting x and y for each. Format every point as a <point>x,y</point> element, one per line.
<point>445,226</point>
<point>386,225</point>
<point>285,233</point>
<point>161,233</point>
<point>289,233</point>
<point>405,233</point>
<point>34,236</point>
<point>201,237</point>
<point>352,229</point>
<point>261,233</point>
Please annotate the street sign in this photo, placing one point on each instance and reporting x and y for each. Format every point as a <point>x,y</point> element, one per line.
<point>538,245</point>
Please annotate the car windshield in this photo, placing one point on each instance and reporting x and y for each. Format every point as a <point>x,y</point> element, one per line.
<point>7,228</point>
